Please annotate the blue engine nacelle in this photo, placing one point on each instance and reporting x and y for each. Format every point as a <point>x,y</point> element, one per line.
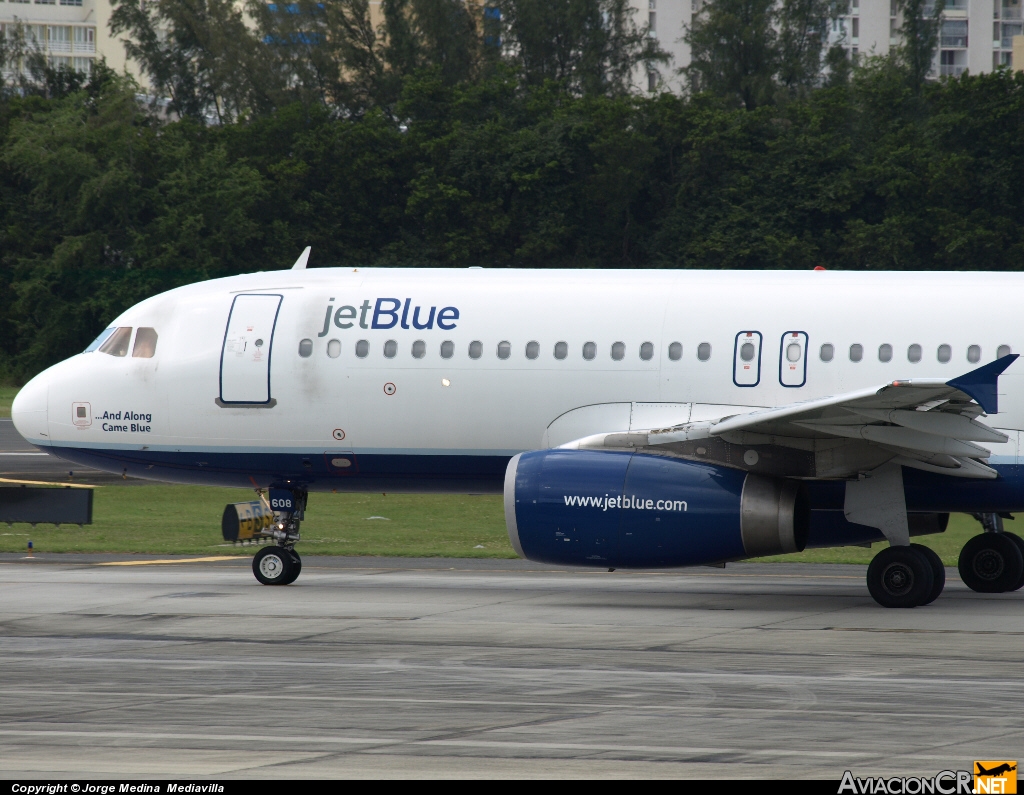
<point>596,508</point>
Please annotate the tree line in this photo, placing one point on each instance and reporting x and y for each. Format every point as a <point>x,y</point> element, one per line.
<point>433,141</point>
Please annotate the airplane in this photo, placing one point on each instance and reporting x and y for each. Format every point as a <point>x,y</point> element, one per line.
<point>630,418</point>
<point>998,770</point>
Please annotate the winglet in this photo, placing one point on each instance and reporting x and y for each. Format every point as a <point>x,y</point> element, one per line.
<point>981,384</point>
<point>300,263</point>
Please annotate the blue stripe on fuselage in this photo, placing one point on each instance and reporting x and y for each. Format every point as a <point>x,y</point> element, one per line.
<point>369,472</point>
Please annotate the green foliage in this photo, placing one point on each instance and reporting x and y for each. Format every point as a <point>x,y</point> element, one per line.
<point>753,52</point>
<point>587,46</point>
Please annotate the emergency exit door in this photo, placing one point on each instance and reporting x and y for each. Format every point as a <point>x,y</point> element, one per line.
<point>245,357</point>
<point>793,359</point>
<point>746,359</point>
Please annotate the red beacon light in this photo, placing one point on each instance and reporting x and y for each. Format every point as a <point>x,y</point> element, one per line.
<point>819,267</point>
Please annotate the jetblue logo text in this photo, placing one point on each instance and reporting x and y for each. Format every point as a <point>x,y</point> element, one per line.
<point>624,501</point>
<point>386,313</point>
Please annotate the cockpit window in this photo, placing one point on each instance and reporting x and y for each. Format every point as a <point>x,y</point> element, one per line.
<point>99,340</point>
<point>145,343</point>
<point>117,343</point>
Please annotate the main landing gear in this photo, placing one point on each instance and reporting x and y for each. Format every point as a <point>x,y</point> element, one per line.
<point>280,564</point>
<point>993,562</point>
<point>912,576</point>
<point>909,576</point>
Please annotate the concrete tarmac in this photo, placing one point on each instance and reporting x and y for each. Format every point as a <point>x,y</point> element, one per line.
<point>138,666</point>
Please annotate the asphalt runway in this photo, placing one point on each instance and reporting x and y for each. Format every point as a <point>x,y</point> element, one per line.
<point>128,666</point>
<point>20,461</point>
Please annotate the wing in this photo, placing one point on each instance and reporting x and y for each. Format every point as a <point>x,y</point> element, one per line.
<point>927,424</point>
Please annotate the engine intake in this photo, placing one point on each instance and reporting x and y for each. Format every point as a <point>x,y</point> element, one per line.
<point>610,508</point>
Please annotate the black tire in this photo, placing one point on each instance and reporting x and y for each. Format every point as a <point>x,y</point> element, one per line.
<point>1016,539</point>
<point>938,572</point>
<point>991,563</point>
<point>296,567</point>
<point>274,566</point>
<point>900,577</point>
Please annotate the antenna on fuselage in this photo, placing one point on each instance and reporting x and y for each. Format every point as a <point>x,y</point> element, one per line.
<point>300,263</point>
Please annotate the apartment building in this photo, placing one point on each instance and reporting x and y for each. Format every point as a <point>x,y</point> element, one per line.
<point>871,28</point>
<point>72,33</point>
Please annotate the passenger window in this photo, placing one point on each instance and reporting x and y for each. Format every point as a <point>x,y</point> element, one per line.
<point>675,351</point>
<point>1003,350</point>
<point>305,348</point>
<point>885,352</point>
<point>704,351</point>
<point>145,343</point>
<point>363,348</point>
<point>973,353</point>
<point>447,349</point>
<point>532,350</point>
<point>618,351</point>
<point>647,351</point>
<point>504,349</point>
<point>117,343</point>
<point>827,352</point>
<point>390,349</point>
<point>561,350</point>
<point>476,349</point>
<point>419,349</point>
<point>589,350</point>
<point>945,353</point>
<point>856,352</point>
<point>914,353</point>
<point>334,348</point>
<point>99,340</point>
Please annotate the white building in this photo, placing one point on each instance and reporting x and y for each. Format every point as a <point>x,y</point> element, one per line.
<point>976,35</point>
<point>69,32</point>
<point>871,28</point>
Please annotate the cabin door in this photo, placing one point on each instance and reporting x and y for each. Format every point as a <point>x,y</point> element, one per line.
<point>793,359</point>
<point>245,357</point>
<point>746,359</point>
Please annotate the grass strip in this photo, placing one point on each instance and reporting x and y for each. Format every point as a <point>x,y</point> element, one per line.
<point>166,519</point>
<point>7,394</point>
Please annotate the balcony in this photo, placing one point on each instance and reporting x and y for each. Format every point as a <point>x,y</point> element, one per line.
<point>1011,12</point>
<point>58,46</point>
<point>85,46</point>
<point>953,42</point>
<point>951,70</point>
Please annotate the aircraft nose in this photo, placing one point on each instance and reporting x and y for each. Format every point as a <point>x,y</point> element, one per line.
<point>29,411</point>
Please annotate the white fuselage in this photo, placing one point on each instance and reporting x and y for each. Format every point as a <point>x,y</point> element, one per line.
<point>489,407</point>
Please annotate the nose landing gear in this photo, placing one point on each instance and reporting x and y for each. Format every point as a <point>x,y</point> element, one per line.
<point>276,565</point>
<point>280,564</point>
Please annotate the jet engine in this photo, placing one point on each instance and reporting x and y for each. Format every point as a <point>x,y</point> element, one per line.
<point>598,508</point>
